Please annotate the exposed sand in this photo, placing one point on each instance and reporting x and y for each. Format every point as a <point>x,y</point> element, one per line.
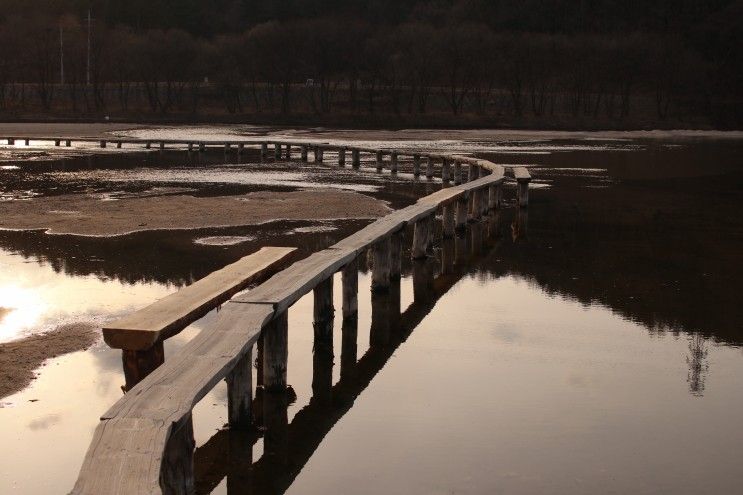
<point>19,359</point>
<point>85,215</point>
<point>44,129</point>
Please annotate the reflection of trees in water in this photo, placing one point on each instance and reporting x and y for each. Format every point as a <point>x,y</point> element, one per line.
<point>698,365</point>
<point>166,257</point>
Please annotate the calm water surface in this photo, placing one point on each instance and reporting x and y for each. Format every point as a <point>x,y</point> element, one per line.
<point>592,345</point>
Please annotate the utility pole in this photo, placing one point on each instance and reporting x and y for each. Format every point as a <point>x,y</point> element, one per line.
<point>61,55</point>
<point>87,78</point>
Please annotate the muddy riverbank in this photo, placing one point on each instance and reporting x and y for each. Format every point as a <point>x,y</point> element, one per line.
<point>87,215</point>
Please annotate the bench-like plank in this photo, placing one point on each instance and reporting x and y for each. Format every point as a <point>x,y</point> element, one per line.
<point>128,445</point>
<point>286,287</point>
<point>168,316</point>
<point>521,174</point>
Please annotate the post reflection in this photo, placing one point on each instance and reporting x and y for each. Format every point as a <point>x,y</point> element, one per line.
<point>520,225</point>
<point>385,315</point>
<point>289,446</point>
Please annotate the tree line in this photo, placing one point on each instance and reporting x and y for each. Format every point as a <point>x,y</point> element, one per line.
<point>430,61</point>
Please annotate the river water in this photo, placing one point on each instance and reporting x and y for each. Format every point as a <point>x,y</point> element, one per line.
<point>591,345</point>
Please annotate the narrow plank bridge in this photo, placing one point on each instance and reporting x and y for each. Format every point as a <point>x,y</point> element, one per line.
<point>144,443</point>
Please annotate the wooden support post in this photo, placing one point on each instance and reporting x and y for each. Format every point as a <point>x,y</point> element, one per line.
<point>177,474</point>
<point>288,151</point>
<point>322,351</point>
<point>11,141</point>
<point>28,141</point>
<point>393,162</point>
<point>226,148</point>
<point>429,168</point>
<point>103,143</point>
<point>275,352</point>
<point>350,280</point>
<point>416,166</point>
<point>421,238</point>
<point>342,157</point>
<point>461,221</point>
<point>445,171</point>
<point>240,149</point>
<point>139,364</point>
<point>56,142</point>
<point>494,197</point>
<point>318,154</point>
<point>240,392</point>
<point>474,172</point>
<point>475,202</point>
<point>396,255</point>
<point>162,145</point>
<point>277,151</point>
<point>448,221</point>
<point>381,265</point>
<point>304,151</point>
<point>457,173</point>
<point>202,147</point>
<point>147,145</point>
<point>356,158</point>
<point>323,310</point>
<point>380,161</point>
<point>118,144</point>
<point>190,147</point>
<point>264,151</point>
<point>68,143</point>
<point>523,193</point>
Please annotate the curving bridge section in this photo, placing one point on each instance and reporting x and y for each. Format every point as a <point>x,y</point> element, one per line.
<point>144,443</point>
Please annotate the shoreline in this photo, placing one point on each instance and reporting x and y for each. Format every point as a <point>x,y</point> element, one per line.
<point>20,359</point>
<point>100,129</point>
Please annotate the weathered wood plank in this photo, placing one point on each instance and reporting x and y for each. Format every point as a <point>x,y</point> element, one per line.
<point>286,287</point>
<point>129,444</point>
<point>169,315</point>
<point>521,173</point>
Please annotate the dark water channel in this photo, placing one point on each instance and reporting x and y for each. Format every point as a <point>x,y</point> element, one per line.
<point>589,345</point>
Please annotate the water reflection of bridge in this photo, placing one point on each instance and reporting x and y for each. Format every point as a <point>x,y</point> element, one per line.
<point>289,445</point>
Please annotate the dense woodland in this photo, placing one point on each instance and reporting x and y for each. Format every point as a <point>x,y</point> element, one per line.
<point>569,63</point>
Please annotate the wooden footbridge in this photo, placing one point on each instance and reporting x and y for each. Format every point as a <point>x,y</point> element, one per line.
<point>144,443</point>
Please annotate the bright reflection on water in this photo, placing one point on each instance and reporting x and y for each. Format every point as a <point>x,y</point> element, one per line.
<point>592,346</point>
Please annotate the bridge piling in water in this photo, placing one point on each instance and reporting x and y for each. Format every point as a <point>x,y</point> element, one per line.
<point>381,265</point>
<point>240,393</point>
<point>429,167</point>
<point>275,353</point>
